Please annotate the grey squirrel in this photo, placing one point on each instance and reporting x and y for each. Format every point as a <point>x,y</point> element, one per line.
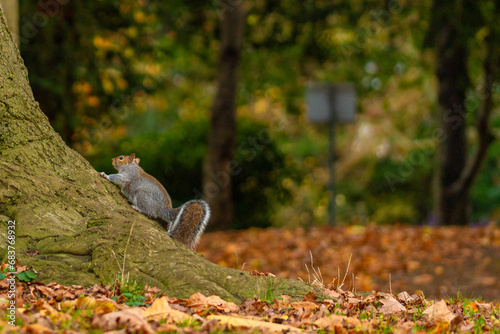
<point>185,223</point>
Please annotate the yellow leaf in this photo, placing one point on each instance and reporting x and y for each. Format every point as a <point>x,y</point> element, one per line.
<point>473,306</point>
<point>237,322</point>
<point>160,309</point>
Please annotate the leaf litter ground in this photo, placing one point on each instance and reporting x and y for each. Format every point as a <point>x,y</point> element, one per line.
<point>441,262</point>
<point>55,308</point>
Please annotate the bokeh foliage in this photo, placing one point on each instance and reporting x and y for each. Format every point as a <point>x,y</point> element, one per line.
<point>117,77</point>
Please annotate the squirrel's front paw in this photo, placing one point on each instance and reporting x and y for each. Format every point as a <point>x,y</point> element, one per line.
<point>135,208</point>
<point>103,175</point>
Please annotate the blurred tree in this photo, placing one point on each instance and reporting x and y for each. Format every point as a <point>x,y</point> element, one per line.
<point>453,25</point>
<point>219,165</point>
<point>87,61</point>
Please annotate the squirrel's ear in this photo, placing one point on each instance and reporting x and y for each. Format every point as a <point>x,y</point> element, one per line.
<point>137,160</point>
<point>131,157</point>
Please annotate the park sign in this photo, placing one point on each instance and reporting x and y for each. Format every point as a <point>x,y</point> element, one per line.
<point>331,102</point>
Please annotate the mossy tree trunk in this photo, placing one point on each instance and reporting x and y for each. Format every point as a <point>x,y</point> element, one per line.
<point>78,224</point>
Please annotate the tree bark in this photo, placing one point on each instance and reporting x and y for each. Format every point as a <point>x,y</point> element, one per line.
<point>457,170</point>
<point>222,132</point>
<point>11,8</point>
<point>453,208</point>
<point>72,226</point>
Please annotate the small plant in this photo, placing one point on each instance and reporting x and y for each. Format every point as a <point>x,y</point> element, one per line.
<point>271,293</point>
<point>24,276</point>
<point>131,289</point>
<point>189,323</point>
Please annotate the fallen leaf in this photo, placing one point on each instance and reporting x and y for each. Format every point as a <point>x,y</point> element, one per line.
<point>198,302</point>
<point>160,309</point>
<point>331,322</point>
<point>390,305</point>
<point>100,305</point>
<point>307,306</point>
<point>37,329</point>
<point>484,307</point>
<point>331,293</point>
<point>126,319</point>
<point>456,323</point>
<point>310,297</point>
<point>232,321</point>
<point>439,312</point>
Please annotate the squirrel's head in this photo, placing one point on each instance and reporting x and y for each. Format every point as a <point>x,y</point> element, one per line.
<point>124,160</point>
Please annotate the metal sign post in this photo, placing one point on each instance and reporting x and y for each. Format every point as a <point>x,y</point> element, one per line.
<point>331,103</point>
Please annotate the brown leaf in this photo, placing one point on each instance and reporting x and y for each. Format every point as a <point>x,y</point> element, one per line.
<point>126,319</point>
<point>331,322</point>
<point>259,273</point>
<point>45,291</point>
<point>405,297</point>
<point>439,312</point>
<point>456,323</point>
<point>198,302</point>
<point>390,305</point>
<point>37,329</point>
<point>254,306</point>
<point>310,297</point>
<point>331,293</point>
<point>282,302</point>
<point>484,308</point>
<point>307,306</point>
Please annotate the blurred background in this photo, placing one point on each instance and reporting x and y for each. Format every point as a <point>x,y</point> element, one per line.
<point>143,76</point>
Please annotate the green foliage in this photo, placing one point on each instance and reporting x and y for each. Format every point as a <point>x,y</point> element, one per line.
<point>486,190</point>
<point>132,290</point>
<point>267,293</point>
<point>117,77</point>
<point>26,276</point>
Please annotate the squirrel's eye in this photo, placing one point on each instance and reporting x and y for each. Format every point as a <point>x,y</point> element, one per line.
<point>121,157</point>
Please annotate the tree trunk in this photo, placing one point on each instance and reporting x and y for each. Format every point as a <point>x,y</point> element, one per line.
<point>453,208</point>
<point>11,8</point>
<point>72,226</point>
<point>222,132</point>
<point>451,31</point>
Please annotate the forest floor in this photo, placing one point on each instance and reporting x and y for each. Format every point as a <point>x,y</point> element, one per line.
<point>441,262</point>
<point>425,265</point>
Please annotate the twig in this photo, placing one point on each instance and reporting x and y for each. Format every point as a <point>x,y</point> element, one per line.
<point>125,251</point>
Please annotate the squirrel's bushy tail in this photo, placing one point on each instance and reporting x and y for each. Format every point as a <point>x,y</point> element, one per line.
<point>188,222</point>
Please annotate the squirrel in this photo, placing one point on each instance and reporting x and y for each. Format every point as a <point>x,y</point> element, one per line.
<point>147,195</point>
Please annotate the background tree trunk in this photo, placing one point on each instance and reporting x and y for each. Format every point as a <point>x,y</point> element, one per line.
<point>82,230</point>
<point>452,25</point>
<point>11,8</point>
<point>222,132</point>
<point>453,209</point>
